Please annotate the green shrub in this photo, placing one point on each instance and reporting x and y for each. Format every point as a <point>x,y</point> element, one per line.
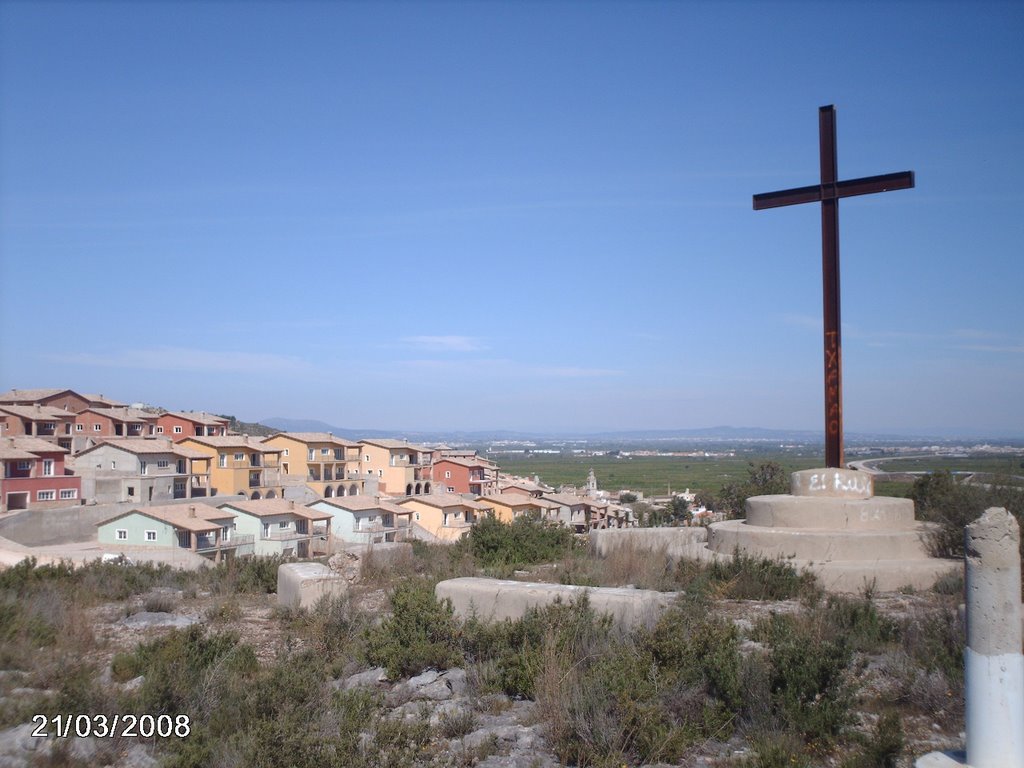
<point>941,498</point>
<point>749,577</point>
<point>523,542</point>
<point>420,632</point>
<point>859,624</point>
<point>807,676</point>
<point>177,668</point>
<point>250,575</point>
<point>882,747</point>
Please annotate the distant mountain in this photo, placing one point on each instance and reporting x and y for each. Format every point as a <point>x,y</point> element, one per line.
<point>721,433</point>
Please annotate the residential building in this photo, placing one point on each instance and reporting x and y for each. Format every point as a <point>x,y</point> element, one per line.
<point>34,475</point>
<point>42,421</point>
<point>521,485</point>
<point>365,519</point>
<point>178,425</point>
<point>200,528</point>
<point>241,465</point>
<point>574,511</point>
<point>65,399</point>
<point>465,474</point>
<point>92,424</point>
<point>510,506</point>
<point>445,516</point>
<point>282,527</point>
<point>329,465</point>
<point>142,471</point>
<point>400,468</point>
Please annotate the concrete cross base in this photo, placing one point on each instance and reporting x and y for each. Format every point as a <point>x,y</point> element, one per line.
<point>832,525</point>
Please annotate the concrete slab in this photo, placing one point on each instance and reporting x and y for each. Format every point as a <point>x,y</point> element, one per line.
<point>301,585</point>
<point>497,599</point>
<point>676,542</point>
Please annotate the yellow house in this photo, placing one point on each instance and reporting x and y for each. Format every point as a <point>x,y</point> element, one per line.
<point>399,467</point>
<point>509,506</point>
<point>446,516</point>
<point>329,465</point>
<point>241,466</point>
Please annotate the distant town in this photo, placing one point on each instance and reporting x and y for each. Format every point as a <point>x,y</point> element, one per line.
<point>215,487</point>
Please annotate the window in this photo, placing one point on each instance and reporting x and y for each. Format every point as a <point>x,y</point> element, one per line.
<point>113,464</point>
<point>177,430</point>
<point>49,425</point>
<point>239,456</point>
<point>285,451</point>
<point>367,458</point>
<point>159,430</point>
<point>325,451</point>
<point>447,475</point>
<point>23,465</point>
<point>451,489</point>
<point>380,473</point>
<point>338,454</point>
<point>310,455</point>
<point>131,490</point>
<point>48,467</point>
<point>122,534</point>
<point>222,460</point>
<point>79,427</point>
<point>417,515</point>
<point>163,464</point>
<point>46,495</point>
<point>144,467</point>
<point>283,524</point>
<point>97,427</point>
<point>266,529</point>
<point>69,493</point>
<point>150,535</point>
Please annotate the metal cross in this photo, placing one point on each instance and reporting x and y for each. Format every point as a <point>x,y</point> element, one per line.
<point>828,193</point>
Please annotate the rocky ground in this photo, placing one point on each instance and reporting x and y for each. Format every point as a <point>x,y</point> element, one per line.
<point>467,728</point>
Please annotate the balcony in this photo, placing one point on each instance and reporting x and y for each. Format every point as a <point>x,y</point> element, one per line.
<point>207,542</point>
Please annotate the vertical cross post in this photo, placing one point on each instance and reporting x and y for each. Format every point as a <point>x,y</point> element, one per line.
<point>828,192</point>
<point>830,288</point>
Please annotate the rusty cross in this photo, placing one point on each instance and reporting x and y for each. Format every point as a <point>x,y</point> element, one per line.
<point>828,193</point>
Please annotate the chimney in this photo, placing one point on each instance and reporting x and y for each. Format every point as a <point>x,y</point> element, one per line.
<point>191,510</point>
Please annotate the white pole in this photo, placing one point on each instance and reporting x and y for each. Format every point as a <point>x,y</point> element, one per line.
<point>993,664</point>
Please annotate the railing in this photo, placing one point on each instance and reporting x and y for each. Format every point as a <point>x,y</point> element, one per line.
<point>289,535</point>
<point>209,543</point>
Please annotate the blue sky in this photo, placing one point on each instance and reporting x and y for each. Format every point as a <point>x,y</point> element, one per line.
<point>512,215</point>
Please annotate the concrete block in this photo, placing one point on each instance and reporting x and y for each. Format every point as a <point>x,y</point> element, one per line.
<point>301,585</point>
<point>832,482</point>
<point>497,600</point>
<point>677,543</point>
<point>824,512</point>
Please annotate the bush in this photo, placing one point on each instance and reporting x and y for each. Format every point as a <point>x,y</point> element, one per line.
<point>749,577</point>
<point>806,678</point>
<point>523,542</point>
<point>420,632</point>
<point>941,498</point>
<point>251,575</point>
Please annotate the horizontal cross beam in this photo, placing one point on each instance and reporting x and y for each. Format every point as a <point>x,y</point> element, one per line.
<point>818,192</point>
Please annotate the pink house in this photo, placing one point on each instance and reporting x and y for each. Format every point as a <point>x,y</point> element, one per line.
<point>34,476</point>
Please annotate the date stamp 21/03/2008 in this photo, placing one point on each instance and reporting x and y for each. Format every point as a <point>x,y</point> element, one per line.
<point>110,726</point>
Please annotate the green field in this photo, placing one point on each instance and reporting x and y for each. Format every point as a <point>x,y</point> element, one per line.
<point>995,465</point>
<point>654,475</point>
